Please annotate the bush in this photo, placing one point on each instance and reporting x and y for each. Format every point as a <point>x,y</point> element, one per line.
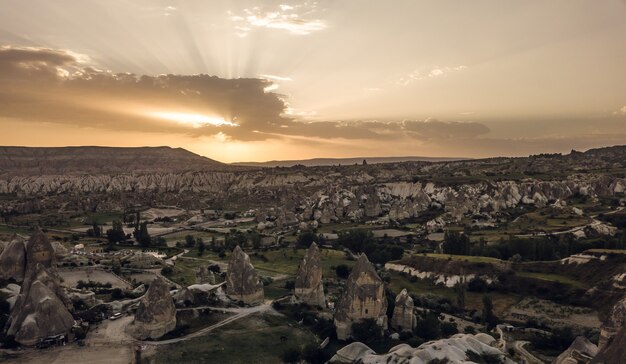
<point>367,331</point>
<point>167,271</point>
<point>343,271</point>
<point>291,355</point>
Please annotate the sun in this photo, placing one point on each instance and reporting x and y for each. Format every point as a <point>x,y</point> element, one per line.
<point>194,120</point>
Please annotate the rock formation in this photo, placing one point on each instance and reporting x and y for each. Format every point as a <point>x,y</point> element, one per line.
<point>204,275</point>
<point>242,281</point>
<point>13,260</point>
<point>614,351</point>
<point>612,345</point>
<point>580,352</point>
<point>613,324</point>
<point>363,298</point>
<point>39,251</point>
<point>40,309</point>
<point>309,287</point>
<point>403,317</point>
<point>156,314</point>
<point>452,351</point>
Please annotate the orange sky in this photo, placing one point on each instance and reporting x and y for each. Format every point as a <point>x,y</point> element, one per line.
<point>263,80</point>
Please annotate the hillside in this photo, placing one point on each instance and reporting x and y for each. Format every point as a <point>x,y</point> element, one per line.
<point>27,161</point>
<point>345,161</point>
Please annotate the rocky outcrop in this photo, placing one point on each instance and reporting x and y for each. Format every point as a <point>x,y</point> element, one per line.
<point>242,281</point>
<point>612,345</point>
<point>309,287</point>
<point>613,324</point>
<point>580,352</point>
<point>13,260</point>
<point>403,317</point>
<point>156,313</point>
<point>40,309</point>
<point>452,351</point>
<point>204,275</point>
<point>363,298</point>
<point>614,351</point>
<point>39,251</point>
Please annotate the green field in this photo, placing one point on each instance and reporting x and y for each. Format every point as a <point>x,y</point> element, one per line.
<point>255,339</point>
<point>468,258</point>
<point>283,261</point>
<point>552,278</point>
<point>501,301</point>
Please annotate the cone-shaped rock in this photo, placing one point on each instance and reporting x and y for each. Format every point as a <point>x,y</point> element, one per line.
<point>39,251</point>
<point>204,275</point>
<point>156,314</point>
<point>309,287</point>
<point>363,298</point>
<point>403,317</point>
<point>13,260</point>
<point>40,309</point>
<point>242,280</point>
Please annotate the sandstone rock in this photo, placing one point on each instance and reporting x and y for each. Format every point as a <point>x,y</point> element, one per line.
<point>309,287</point>
<point>242,281</point>
<point>453,351</point>
<point>580,352</point>
<point>363,298</point>
<point>403,317</point>
<point>156,314</point>
<point>614,351</point>
<point>204,275</point>
<point>13,260</point>
<point>39,251</point>
<point>39,311</point>
<point>613,324</point>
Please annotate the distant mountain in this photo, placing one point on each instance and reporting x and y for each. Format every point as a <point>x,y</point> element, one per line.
<point>345,161</point>
<point>27,161</point>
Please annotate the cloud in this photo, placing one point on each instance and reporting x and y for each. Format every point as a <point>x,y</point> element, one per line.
<point>435,129</point>
<point>435,72</point>
<point>58,86</point>
<point>275,78</point>
<point>295,19</point>
<point>621,111</point>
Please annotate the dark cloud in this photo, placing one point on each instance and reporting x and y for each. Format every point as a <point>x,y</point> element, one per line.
<point>40,84</point>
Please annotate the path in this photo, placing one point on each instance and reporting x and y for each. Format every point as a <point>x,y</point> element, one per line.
<point>527,357</point>
<point>242,312</point>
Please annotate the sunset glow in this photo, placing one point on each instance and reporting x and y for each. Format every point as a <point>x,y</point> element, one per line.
<point>193,120</point>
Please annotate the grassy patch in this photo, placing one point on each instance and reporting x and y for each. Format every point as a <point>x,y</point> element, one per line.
<point>553,278</point>
<point>468,258</point>
<point>255,339</point>
<point>501,301</point>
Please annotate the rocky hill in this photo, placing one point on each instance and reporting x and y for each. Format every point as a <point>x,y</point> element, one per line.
<point>27,161</point>
<point>345,161</point>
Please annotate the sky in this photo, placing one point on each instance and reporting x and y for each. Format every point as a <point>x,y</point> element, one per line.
<point>244,80</point>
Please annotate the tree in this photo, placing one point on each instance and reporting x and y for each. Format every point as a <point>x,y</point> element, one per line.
<point>342,271</point>
<point>460,289</point>
<point>456,243</point>
<point>142,236</point>
<point>116,233</point>
<point>489,319</point>
<point>428,327</point>
<point>305,239</point>
<point>291,355</point>
<point>367,331</point>
<point>201,247</point>
<point>190,242</point>
<point>97,232</point>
